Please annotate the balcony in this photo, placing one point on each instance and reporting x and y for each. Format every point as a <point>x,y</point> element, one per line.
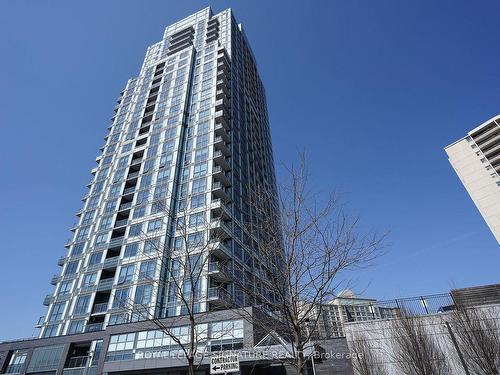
<point>94,327</point>
<point>222,160</point>
<point>125,206</point>
<point>221,145</point>
<point>222,117</point>
<point>218,272</point>
<point>129,190</point>
<point>61,261</point>
<point>222,93</point>
<point>55,279</point>
<point>219,191</point>
<point>222,176</point>
<point>100,308</point>
<point>220,250</point>
<point>220,229</point>
<point>132,175</point>
<point>49,298</point>
<point>111,262</point>
<point>221,131</point>
<point>121,223</point>
<point>105,284</point>
<point>220,209</point>
<point>77,362</point>
<point>219,297</point>
<point>224,75</point>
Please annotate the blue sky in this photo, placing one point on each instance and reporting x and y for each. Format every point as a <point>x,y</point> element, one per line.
<point>371,90</point>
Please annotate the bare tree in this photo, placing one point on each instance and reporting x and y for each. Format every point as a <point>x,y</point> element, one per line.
<point>477,331</point>
<point>305,241</point>
<point>414,349</point>
<point>366,361</point>
<point>177,271</point>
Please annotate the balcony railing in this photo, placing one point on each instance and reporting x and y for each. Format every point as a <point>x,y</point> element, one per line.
<point>111,262</point>
<point>219,296</point>
<point>77,362</point>
<point>105,284</point>
<point>132,175</point>
<point>125,206</point>
<point>100,308</point>
<point>40,321</point>
<point>117,241</point>
<point>129,190</point>
<point>49,298</point>
<point>121,223</point>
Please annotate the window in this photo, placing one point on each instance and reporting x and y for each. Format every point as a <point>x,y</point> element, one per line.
<point>89,280</point>
<point>121,297</point>
<point>71,267</point>
<point>76,326</point>
<point>152,245</point>
<point>197,219</point>
<point>81,305</point>
<point>131,250</point>
<point>110,206</point>
<point>101,238</point>
<point>143,294</point>
<point>95,258</point>
<point>201,155</point>
<point>126,274</point>
<point>149,164</point>
<point>163,175</point>
<point>117,319</point>
<point>199,185</point>
<point>57,312</point>
<point>92,203</point>
<point>135,230</point>
<point>16,362</point>
<point>160,191</point>
<point>139,212</point>
<point>166,159</point>
<point>142,196</point>
<point>121,342</point>
<point>155,225</point>
<point>147,270</point>
<point>65,287</point>
<point>200,170</point>
<point>46,358</point>
<point>88,217</point>
<point>195,239</point>
<point>197,200</point>
<point>78,248</point>
<point>50,331</point>
<point>83,233</point>
<point>146,180</point>
<point>106,222</point>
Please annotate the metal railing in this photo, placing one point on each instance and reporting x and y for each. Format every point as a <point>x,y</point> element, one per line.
<point>413,306</point>
<point>100,308</point>
<point>105,284</point>
<point>76,362</point>
<point>94,327</point>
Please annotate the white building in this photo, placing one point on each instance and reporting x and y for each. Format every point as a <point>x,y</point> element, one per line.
<point>347,307</point>
<point>476,159</point>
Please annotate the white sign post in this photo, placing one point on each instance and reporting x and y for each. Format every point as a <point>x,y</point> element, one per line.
<point>224,362</point>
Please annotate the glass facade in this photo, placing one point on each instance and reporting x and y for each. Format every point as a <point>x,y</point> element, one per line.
<point>189,136</point>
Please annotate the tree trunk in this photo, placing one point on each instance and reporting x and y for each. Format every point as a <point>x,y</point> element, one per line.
<point>190,360</point>
<point>301,362</point>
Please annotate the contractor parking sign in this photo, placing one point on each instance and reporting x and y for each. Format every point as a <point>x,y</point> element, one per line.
<point>224,363</point>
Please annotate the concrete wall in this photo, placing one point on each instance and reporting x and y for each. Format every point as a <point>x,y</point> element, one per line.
<point>380,335</point>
